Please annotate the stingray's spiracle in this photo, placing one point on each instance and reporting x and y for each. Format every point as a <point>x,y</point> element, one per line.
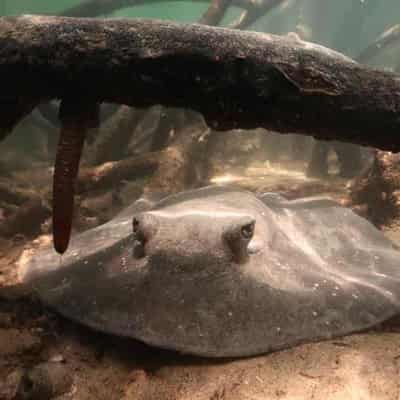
<point>76,118</point>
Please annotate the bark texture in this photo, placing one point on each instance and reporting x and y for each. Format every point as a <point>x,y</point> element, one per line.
<point>235,79</point>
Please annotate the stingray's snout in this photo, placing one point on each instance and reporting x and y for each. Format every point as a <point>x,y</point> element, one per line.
<point>193,236</point>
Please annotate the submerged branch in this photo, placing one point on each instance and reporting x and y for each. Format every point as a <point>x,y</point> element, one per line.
<point>257,10</point>
<point>26,219</point>
<point>235,79</point>
<point>113,172</point>
<point>388,38</point>
<point>14,195</point>
<point>175,170</point>
<point>215,12</point>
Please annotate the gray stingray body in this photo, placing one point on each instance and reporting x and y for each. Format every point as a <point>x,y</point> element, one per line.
<point>220,272</point>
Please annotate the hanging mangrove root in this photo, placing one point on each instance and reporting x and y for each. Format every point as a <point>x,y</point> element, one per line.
<point>235,79</point>
<point>76,119</point>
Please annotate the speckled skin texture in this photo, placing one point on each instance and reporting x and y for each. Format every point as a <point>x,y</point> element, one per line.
<point>220,272</point>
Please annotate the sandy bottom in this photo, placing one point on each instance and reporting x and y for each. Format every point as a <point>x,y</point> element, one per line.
<point>45,357</point>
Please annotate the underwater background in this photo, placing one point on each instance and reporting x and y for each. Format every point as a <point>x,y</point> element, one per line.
<point>44,356</point>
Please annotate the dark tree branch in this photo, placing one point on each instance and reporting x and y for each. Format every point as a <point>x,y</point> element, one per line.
<point>235,79</point>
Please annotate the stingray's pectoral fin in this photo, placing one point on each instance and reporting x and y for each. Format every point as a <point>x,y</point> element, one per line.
<point>238,236</point>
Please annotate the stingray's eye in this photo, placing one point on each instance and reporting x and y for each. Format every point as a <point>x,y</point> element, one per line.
<point>135,225</point>
<point>139,239</point>
<point>144,227</point>
<point>247,230</point>
<point>238,235</point>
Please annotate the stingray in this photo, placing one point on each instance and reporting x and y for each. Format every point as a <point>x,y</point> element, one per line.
<point>220,272</point>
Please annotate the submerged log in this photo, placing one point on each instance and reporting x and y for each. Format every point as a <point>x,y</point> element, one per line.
<point>235,79</point>
<point>12,194</point>
<point>26,220</point>
<point>113,172</point>
<point>177,163</point>
<point>377,192</point>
